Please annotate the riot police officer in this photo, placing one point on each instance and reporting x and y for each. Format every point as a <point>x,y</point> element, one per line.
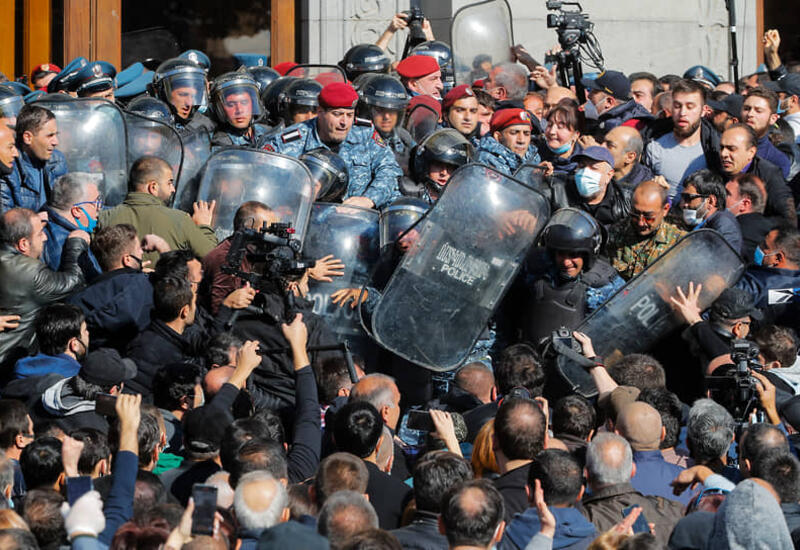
<point>152,108</point>
<point>272,99</point>
<point>234,98</point>
<point>508,145</point>
<point>434,161</point>
<point>460,111</point>
<point>563,281</point>
<point>264,76</point>
<point>372,167</point>
<point>383,101</point>
<point>181,84</point>
<point>329,173</point>
<point>364,58</point>
<point>299,102</point>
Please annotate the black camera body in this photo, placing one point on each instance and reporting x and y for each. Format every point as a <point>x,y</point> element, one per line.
<point>416,35</point>
<point>572,26</point>
<point>736,388</point>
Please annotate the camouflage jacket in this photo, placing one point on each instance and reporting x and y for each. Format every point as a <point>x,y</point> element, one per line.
<point>630,254</point>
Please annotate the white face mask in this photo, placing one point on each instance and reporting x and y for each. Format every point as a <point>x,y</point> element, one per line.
<point>588,182</point>
<point>693,217</point>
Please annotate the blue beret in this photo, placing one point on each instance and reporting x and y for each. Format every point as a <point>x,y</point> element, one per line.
<point>251,59</point>
<point>66,78</point>
<point>129,74</point>
<point>135,87</point>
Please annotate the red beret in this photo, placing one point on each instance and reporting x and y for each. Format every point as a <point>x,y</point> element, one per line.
<point>478,84</point>
<point>508,117</point>
<point>426,100</point>
<point>459,92</point>
<point>45,68</point>
<point>338,95</point>
<point>416,66</point>
<point>283,68</point>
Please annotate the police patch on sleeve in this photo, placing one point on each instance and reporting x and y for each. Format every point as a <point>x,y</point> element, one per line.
<point>376,137</point>
<point>289,137</point>
<point>269,148</point>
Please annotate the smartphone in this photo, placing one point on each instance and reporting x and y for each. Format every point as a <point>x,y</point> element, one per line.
<point>420,420</point>
<point>640,525</point>
<point>77,487</point>
<point>105,404</point>
<point>205,506</point>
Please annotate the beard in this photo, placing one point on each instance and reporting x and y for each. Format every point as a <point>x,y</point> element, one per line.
<point>691,129</point>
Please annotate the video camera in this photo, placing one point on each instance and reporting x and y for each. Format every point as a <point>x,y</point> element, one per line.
<point>571,26</point>
<point>566,367</point>
<point>276,254</point>
<point>736,389</point>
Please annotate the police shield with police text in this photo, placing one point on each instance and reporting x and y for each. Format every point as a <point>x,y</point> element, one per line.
<point>467,250</point>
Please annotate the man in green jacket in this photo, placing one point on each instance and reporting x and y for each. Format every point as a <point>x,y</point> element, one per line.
<point>150,187</point>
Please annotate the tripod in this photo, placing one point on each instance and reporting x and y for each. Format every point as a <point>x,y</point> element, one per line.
<point>734,59</point>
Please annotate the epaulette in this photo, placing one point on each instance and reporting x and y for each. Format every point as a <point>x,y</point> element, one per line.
<point>289,137</point>
<point>362,122</point>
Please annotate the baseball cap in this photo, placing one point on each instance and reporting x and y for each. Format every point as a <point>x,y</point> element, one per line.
<point>731,104</point>
<point>596,153</point>
<point>105,367</point>
<point>203,432</point>
<point>613,83</point>
<point>734,303</point>
<point>789,84</point>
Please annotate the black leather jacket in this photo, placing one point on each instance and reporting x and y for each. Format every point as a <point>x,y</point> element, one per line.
<point>26,284</point>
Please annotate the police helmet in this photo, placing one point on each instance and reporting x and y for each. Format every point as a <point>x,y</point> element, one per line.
<point>365,58</point>
<point>264,76</point>
<point>573,230</point>
<point>152,108</point>
<point>362,80</point>
<point>396,218</point>
<point>10,102</point>
<point>329,171</point>
<point>176,73</point>
<point>272,97</point>
<point>443,55</point>
<point>385,91</point>
<point>197,57</point>
<point>235,83</point>
<point>445,146</point>
<point>303,92</point>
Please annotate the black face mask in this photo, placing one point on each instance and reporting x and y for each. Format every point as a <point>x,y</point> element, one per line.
<point>5,170</point>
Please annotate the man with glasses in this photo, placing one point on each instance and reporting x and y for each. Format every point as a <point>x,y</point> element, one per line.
<point>151,187</point>
<point>636,243</point>
<point>701,203</point>
<point>75,203</point>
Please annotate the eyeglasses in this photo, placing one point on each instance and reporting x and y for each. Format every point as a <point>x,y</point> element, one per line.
<point>689,197</point>
<point>97,203</point>
<point>648,216</point>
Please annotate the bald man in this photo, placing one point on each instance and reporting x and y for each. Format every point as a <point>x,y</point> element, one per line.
<point>8,150</point>
<point>260,502</point>
<point>635,243</point>
<point>554,95</point>
<point>625,144</point>
<point>640,424</point>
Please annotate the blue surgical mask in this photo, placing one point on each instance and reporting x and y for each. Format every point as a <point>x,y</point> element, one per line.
<point>92,222</point>
<point>758,256</point>
<point>562,149</point>
<point>590,110</point>
<point>588,182</point>
<point>781,108</point>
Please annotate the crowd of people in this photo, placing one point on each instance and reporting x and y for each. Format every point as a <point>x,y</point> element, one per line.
<point>171,374</point>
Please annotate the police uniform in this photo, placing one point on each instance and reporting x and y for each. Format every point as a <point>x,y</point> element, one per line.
<point>225,136</point>
<point>371,164</point>
<point>401,143</point>
<point>493,153</point>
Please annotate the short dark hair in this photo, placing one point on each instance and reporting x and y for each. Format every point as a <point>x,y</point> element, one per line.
<point>472,524</point>
<point>373,539</point>
<point>357,428</point>
<point>340,472</point>
<point>777,344</point>
<point>40,462</point>
<point>239,432</point>
<point>574,415</point>
<point>148,492</point>
<point>13,421</point>
<point>146,169</point>
<point>245,214</point>
<point>436,472</point>
<point>520,365</point>
<point>485,99</point>
<point>788,240</point>
<point>273,425</point>
<point>173,264</point>
<point>16,224</point>
<point>111,243</point>
<point>56,325</point>
<point>42,513</point>
<point>708,184</point>
<point>95,449</point>
<point>149,437</point>
<point>671,410</point>
<point>18,539</point>
<point>32,118</point>
<point>768,95</point>
<point>782,470</point>
<point>170,296</point>
<point>650,77</point>
<point>87,390</point>
<point>760,438</point>
<point>669,80</point>
<point>258,454</point>
<point>217,349</point>
<point>687,86</point>
<point>753,188</point>
<point>173,382</point>
<point>520,428</point>
<point>560,474</point>
<point>638,370</point>
<point>752,139</point>
<point>569,114</point>
<point>332,375</point>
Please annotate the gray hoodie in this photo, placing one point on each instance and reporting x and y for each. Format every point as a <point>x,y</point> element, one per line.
<point>59,400</point>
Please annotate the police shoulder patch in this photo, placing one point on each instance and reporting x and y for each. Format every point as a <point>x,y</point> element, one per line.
<point>376,137</point>
<point>268,147</point>
<point>289,137</point>
<point>362,122</point>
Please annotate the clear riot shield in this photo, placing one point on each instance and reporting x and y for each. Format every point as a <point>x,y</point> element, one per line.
<point>532,176</point>
<point>196,150</point>
<point>640,313</point>
<point>421,121</point>
<point>350,234</point>
<point>148,137</point>
<point>480,33</point>
<point>91,134</point>
<point>324,74</point>
<point>396,219</point>
<point>465,254</point>
<point>234,176</point>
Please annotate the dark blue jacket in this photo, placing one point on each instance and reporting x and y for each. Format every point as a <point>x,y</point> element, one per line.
<point>783,306</point>
<point>725,223</point>
<point>118,506</point>
<point>117,307</point>
<point>767,151</point>
<point>31,181</point>
<point>654,474</point>
<point>573,530</point>
<point>57,230</point>
<point>41,364</point>
<point>622,114</point>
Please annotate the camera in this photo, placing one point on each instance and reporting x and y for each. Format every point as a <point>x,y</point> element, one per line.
<point>416,35</point>
<point>572,26</point>
<point>736,388</point>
